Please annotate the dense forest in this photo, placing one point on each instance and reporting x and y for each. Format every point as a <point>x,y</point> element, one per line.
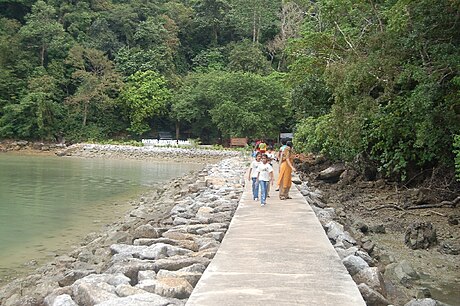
<point>372,78</point>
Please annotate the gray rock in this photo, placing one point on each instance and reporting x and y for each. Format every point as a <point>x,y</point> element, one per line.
<point>191,277</point>
<point>143,275</point>
<point>132,267</point>
<point>372,278</point>
<point>178,262</point>
<point>64,300</point>
<point>422,302</point>
<point>420,235</point>
<point>354,264</point>
<point>372,297</point>
<point>146,231</point>
<point>127,290</point>
<point>346,252</point>
<point>144,299</point>
<point>70,277</point>
<point>161,250</point>
<point>367,258</point>
<point>332,173</point>
<point>173,287</point>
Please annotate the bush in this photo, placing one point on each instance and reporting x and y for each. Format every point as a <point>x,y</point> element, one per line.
<point>322,136</point>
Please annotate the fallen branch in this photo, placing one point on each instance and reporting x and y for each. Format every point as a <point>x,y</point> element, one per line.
<point>433,212</point>
<point>385,206</point>
<point>447,204</point>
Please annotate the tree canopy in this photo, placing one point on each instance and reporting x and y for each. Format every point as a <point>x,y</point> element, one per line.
<point>378,79</point>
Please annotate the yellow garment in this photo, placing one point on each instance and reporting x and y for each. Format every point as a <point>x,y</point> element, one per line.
<point>285,175</point>
<point>263,146</point>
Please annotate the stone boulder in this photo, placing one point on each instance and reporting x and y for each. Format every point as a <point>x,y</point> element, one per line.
<point>144,299</point>
<point>354,264</point>
<point>420,235</point>
<point>372,297</point>
<point>332,174</point>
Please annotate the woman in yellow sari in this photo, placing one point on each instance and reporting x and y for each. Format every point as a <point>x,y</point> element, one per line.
<point>286,168</point>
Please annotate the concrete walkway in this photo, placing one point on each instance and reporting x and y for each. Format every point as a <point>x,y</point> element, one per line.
<point>275,255</point>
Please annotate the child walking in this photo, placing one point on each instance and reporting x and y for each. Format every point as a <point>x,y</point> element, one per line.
<point>253,173</point>
<point>265,177</point>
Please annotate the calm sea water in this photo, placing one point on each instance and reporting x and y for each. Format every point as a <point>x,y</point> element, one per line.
<point>48,204</point>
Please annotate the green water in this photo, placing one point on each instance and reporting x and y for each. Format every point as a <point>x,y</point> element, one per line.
<point>48,204</point>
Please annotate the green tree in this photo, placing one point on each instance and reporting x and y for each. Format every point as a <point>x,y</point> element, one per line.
<point>37,114</point>
<point>237,103</point>
<point>390,67</point>
<point>155,46</point>
<point>255,19</point>
<point>248,56</point>
<point>144,97</point>
<point>97,83</point>
<point>43,33</point>
<point>210,18</point>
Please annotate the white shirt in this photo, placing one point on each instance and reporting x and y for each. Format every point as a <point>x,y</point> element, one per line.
<point>254,166</point>
<point>264,172</point>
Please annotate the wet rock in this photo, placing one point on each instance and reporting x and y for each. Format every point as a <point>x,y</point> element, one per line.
<point>401,273</point>
<point>453,220</point>
<point>422,293</point>
<point>378,229</point>
<point>449,248</point>
<point>420,235</point>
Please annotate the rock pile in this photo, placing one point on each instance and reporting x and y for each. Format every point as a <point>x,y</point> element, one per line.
<point>155,256</point>
<point>357,255</point>
<point>144,153</point>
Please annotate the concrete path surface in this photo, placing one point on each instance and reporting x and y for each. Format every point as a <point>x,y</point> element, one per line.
<point>275,255</point>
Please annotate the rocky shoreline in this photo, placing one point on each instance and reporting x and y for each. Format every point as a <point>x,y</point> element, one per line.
<point>157,253</point>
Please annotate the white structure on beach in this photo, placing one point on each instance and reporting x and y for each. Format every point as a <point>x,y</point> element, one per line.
<point>165,143</point>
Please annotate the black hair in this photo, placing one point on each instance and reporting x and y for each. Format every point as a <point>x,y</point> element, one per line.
<point>289,144</point>
<point>283,141</point>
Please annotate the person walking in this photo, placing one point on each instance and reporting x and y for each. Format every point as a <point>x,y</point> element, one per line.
<point>262,147</point>
<point>253,173</point>
<point>285,174</point>
<point>265,178</point>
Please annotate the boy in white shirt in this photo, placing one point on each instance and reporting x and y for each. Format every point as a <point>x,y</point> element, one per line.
<point>265,177</point>
<point>253,173</point>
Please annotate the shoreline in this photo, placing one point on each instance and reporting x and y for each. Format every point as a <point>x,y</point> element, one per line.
<point>152,210</point>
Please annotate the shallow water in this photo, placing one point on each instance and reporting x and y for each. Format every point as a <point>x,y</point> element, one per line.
<point>48,204</point>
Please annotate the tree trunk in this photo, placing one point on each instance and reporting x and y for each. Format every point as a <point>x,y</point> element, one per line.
<point>85,113</point>
<point>42,55</point>
<point>254,30</point>
<point>177,130</point>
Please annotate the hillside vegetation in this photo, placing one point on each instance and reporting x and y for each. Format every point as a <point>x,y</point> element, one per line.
<point>376,80</point>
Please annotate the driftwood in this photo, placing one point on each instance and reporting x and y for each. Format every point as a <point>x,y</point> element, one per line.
<point>430,212</point>
<point>385,206</point>
<point>446,204</point>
